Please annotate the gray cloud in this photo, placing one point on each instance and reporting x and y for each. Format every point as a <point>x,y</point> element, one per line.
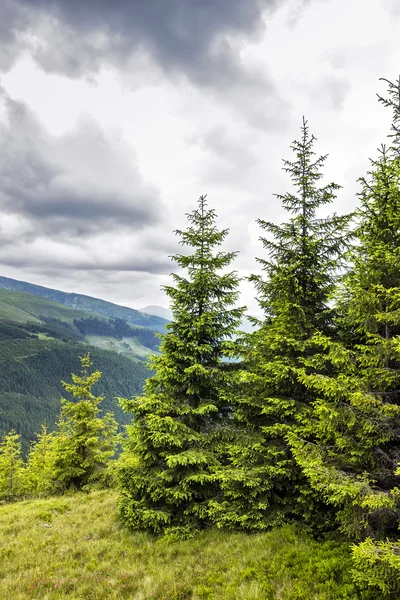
<point>195,41</point>
<point>14,19</point>
<point>76,203</point>
<point>145,262</point>
<point>190,37</point>
<point>80,182</point>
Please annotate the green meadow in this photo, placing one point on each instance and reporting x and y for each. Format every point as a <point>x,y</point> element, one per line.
<point>75,547</point>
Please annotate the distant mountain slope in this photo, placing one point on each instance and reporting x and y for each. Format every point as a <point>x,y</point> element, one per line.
<point>40,344</point>
<point>87,303</point>
<point>58,321</point>
<point>22,307</point>
<point>158,311</point>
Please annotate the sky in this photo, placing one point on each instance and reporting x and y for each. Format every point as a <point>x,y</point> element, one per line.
<point>116,116</point>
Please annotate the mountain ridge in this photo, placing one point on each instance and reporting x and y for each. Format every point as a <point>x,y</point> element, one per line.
<point>87,303</point>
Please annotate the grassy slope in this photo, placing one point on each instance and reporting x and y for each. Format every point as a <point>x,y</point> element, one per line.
<point>21,307</point>
<point>128,347</point>
<point>74,547</point>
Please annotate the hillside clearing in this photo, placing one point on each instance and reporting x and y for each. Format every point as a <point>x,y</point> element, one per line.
<point>74,547</point>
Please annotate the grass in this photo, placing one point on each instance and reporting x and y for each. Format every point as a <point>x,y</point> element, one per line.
<point>22,307</point>
<point>74,547</point>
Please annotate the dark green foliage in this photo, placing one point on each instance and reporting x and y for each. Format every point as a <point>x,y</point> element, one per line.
<point>167,475</point>
<point>262,484</point>
<point>304,253</point>
<point>57,329</point>
<point>85,441</point>
<point>348,446</point>
<point>14,331</point>
<point>372,284</point>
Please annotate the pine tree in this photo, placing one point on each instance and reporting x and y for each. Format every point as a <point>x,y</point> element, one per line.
<point>349,447</point>
<point>305,252</point>
<point>85,441</point>
<point>262,484</point>
<point>377,322</point>
<point>11,467</point>
<point>167,478</point>
<point>39,474</point>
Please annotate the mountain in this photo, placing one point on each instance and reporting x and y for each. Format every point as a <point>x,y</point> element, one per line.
<point>23,307</point>
<point>42,334</point>
<point>88,304</point>
<point>158,311</point>
<point>103,332</point>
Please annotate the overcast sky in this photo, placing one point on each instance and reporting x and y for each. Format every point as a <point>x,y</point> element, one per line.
<point>116,116</point>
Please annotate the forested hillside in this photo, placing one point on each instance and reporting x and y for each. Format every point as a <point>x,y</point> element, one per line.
<point>33,360</point>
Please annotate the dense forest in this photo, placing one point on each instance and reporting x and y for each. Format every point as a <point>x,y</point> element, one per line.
<point>295,423</point>
<point>117,328</point>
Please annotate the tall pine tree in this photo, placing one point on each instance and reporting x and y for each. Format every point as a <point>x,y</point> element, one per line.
<point>167,474</point>
<point>262,484</point>
<point>349,447</point>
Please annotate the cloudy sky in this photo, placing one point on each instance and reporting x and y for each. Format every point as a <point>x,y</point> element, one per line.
<point>116,116</point>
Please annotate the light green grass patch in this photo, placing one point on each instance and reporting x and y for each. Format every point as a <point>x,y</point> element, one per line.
<point>128,347</point>
<point>74,547</point>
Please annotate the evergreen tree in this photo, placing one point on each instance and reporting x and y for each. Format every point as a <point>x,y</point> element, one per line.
<point>11,467</point>
<point>349,447</point>
<point>392,101</point>
<point>39,473</point>
<point>304,254</point>
<point>262,484</point>
<point>85,441</point>
<point>167,478</point>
